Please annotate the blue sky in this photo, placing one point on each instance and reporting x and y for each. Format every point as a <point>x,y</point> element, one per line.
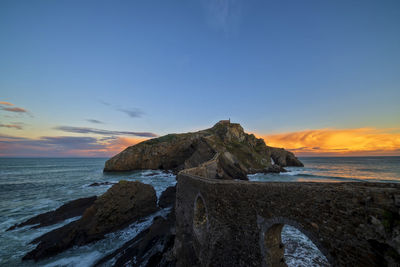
<point>176,66</point>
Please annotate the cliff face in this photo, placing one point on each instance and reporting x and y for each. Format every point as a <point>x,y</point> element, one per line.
<point>229,151</point>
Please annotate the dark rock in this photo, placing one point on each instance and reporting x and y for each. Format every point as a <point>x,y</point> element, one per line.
<point>275,169</point>
<point>284,158</point>
<point>102,183</point>
<point>167,197</point>
<point>222,166</point>
<point>121,205</point>
<point>151,174</point>
<point>69,210</point>
<point>235,152</point>
<point>151,247</point>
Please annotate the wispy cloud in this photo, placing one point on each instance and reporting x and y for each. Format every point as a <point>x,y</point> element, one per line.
<point>6,103</point>
<point>20,110</point>
<point>86,130</point>
<point>223,15</point>
<point>61,146</point>
<point>131,112</point>
<point>334,142</point>
<point>7,106</point>
<point>11,126</point>
<point>94,121</point>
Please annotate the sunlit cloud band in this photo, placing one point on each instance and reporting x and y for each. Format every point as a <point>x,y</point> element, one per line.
<point>337,142</point>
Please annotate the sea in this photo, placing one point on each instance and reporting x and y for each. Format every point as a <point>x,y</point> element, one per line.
<point>30,186</point>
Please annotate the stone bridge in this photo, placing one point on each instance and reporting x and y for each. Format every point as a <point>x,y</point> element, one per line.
<point>239,223</point>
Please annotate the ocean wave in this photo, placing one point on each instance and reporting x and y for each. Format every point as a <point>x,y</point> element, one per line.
<point>86,259</point>
<point>300,250</point>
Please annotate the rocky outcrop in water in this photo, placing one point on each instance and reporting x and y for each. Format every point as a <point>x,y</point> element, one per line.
<point>69,210</point>
<point>230,152</point>
<point>154,245</point>
<point>121,205</point>
<point>284,158</point>
<point>167,198</point>
<point>151,247</point>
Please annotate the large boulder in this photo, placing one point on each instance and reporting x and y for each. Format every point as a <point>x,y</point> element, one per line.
<point>151,247</point>
<point>123,204</point>
<point>222,166</point>
<point>284,158</point>
<point>225,144</point>
<point>167,198</point>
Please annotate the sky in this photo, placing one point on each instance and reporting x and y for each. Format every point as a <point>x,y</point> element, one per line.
<point>89,78</point>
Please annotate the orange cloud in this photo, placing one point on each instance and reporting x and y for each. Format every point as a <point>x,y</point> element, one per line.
<point>15,109</point>
<point>6,103</point>
<point>338,142</point>
<point>118,144</point>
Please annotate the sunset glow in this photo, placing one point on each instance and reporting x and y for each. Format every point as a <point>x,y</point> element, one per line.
<point>338,142</point>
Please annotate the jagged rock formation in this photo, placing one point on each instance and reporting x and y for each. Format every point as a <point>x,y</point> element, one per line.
<point>167,198</point>
<point>123,204</point>
<point>151,247</point>
<point>284,158</point>
<point>229,151</point>
<point>69,210</point>
<point>154,245</point>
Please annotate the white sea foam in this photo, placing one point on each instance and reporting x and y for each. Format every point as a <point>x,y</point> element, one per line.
<point>300,250</point>
<point>85,259</point>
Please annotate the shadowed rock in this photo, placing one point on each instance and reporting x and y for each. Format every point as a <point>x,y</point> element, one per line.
<point>102,183</point>
<point>121,205</point>
<point>230,152</point>
<point>167,198</point>
<point>69,210</point>
<point>284,158</point>
<point>151,247</point>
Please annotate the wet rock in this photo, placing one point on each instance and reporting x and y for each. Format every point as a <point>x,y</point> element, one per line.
<point>275,169</point>
<point>71,209</point>
<point>151,247</point>
<point>167,198</point>
<point>102,183</point>
<point>121,205</point>
<point>285,158</point>
<point>151,174</point>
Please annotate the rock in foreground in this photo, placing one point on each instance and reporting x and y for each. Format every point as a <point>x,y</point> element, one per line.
<point>235,153</point>
<point>71,209</point>
<point>167,198</point>
<point>121,205</point>
<point>151,247</point>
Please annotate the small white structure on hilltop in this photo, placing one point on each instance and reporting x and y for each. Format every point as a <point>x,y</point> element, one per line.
<point>225,121</point>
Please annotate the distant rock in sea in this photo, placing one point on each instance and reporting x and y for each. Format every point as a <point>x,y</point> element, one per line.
<point>101,183</point>
<point>224,151</point>
<point>69,210</point>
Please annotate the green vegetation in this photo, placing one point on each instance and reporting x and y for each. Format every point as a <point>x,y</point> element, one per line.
<point>165,138</point>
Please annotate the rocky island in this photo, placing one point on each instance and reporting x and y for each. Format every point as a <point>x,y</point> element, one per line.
<point>224,151</point>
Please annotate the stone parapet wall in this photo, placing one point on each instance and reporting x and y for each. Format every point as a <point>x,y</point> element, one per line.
<point>238,223</point>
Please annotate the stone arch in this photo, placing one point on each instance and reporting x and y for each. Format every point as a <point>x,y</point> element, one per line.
<point>272,248</point>
<point>200,218</point>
